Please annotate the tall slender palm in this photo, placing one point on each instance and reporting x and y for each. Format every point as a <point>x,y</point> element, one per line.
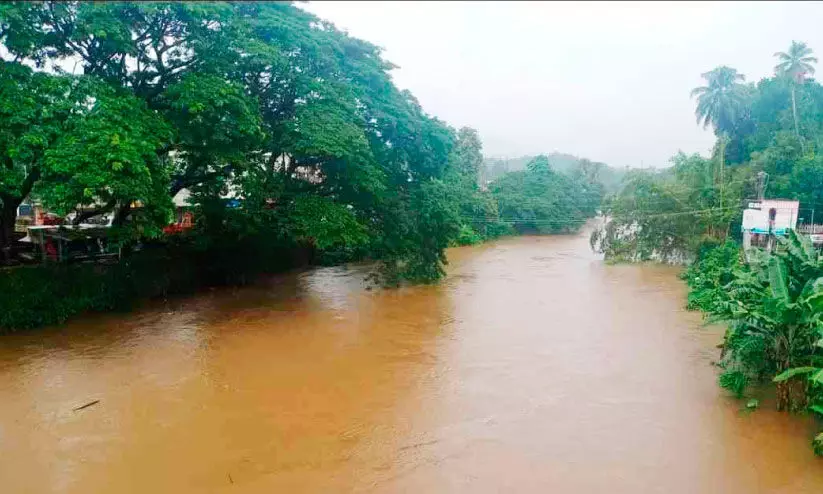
<point>795,65</point>
<point>720,103</point>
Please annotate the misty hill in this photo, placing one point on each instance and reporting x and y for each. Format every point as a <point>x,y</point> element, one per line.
<point>493,168</point>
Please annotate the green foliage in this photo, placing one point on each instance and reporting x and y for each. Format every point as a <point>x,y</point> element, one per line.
<point>772,308</point>
<point>467,236</point>
<point>734,381</point>
<point>468,152</point>
<point>794,371</point>
<point>322,223</point>
<point>797,62</point>
<point>478,208</point>
<point>44,295</point>
<point>108,155</point>
<point>692,212</point>
<point>666,215</point>
<point>261,102</point>
<point>817,444</point>
<point>540,200</point>
<point>34,110</point>
<point>774,126</point>
<point>216,124</point>
<point>804,182</point>
<point>610,178</point>
<point>709,275</point>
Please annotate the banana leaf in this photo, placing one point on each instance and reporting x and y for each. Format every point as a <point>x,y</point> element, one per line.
<point>790,373</point>
<point>778,279</point>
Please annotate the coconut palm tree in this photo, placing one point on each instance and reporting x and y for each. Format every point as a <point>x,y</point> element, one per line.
<point>795,65</point>
<point>720,103</point>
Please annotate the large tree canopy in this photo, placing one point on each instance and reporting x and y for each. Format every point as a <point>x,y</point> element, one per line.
<point>108,105</point>
<point>280,125</point>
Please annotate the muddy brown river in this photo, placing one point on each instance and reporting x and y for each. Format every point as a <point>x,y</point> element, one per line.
<point>534,367</point>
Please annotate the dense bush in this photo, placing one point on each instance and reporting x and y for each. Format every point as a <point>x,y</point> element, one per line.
<point>467,236</point>
<point>47,294</point>
<point>540,200</point>
<point>708,276</point>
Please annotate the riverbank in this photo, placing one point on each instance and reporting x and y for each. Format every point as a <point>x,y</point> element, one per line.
<point>48,294</point>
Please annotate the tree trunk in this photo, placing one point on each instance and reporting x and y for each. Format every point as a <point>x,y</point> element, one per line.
<point>791,394</point>
<point>8,215</point>
<point>8,212</point>
<point>122,214</point>
<point>794,113</point>
<point>81,217</point>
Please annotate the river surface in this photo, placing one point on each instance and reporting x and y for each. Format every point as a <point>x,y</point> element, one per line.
<point>534,367</point>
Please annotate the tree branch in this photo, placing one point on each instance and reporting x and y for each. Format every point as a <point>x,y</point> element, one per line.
<point>58,28</point>
<point>85,215</point>
<point>28,182</point>
<point>188,179</point>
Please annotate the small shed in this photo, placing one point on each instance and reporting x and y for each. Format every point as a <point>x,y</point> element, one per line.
<point>63,243</point>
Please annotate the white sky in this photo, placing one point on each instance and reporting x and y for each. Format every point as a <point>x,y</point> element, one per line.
<point>606,81</point>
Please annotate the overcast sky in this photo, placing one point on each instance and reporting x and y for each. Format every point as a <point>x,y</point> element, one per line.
<point>607,81</point>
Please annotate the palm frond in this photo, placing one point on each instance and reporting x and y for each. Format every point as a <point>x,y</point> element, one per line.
<point>797,62</point>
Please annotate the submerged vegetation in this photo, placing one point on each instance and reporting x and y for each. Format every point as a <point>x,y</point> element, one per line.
<point>773,306</point>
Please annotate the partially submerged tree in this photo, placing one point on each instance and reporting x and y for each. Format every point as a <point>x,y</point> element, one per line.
<point>667,215</point>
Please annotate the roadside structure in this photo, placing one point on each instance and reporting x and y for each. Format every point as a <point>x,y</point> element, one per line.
<point>766,219</point>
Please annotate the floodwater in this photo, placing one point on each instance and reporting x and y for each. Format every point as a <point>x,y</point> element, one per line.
<point>534,367</point>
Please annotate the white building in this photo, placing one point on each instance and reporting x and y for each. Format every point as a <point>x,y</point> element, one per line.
<point>768,217</point>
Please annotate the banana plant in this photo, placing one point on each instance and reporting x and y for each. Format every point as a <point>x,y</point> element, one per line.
<point>773,307</point>
<point>814,374</point>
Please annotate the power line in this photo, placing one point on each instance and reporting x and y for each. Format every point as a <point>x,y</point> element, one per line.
<point>666,194</point>
<point>570,220</point>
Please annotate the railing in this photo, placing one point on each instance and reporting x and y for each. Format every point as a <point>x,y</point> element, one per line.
<point>810,229</point>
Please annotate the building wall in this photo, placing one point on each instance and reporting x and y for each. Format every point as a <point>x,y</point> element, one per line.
<point>757,219</point>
